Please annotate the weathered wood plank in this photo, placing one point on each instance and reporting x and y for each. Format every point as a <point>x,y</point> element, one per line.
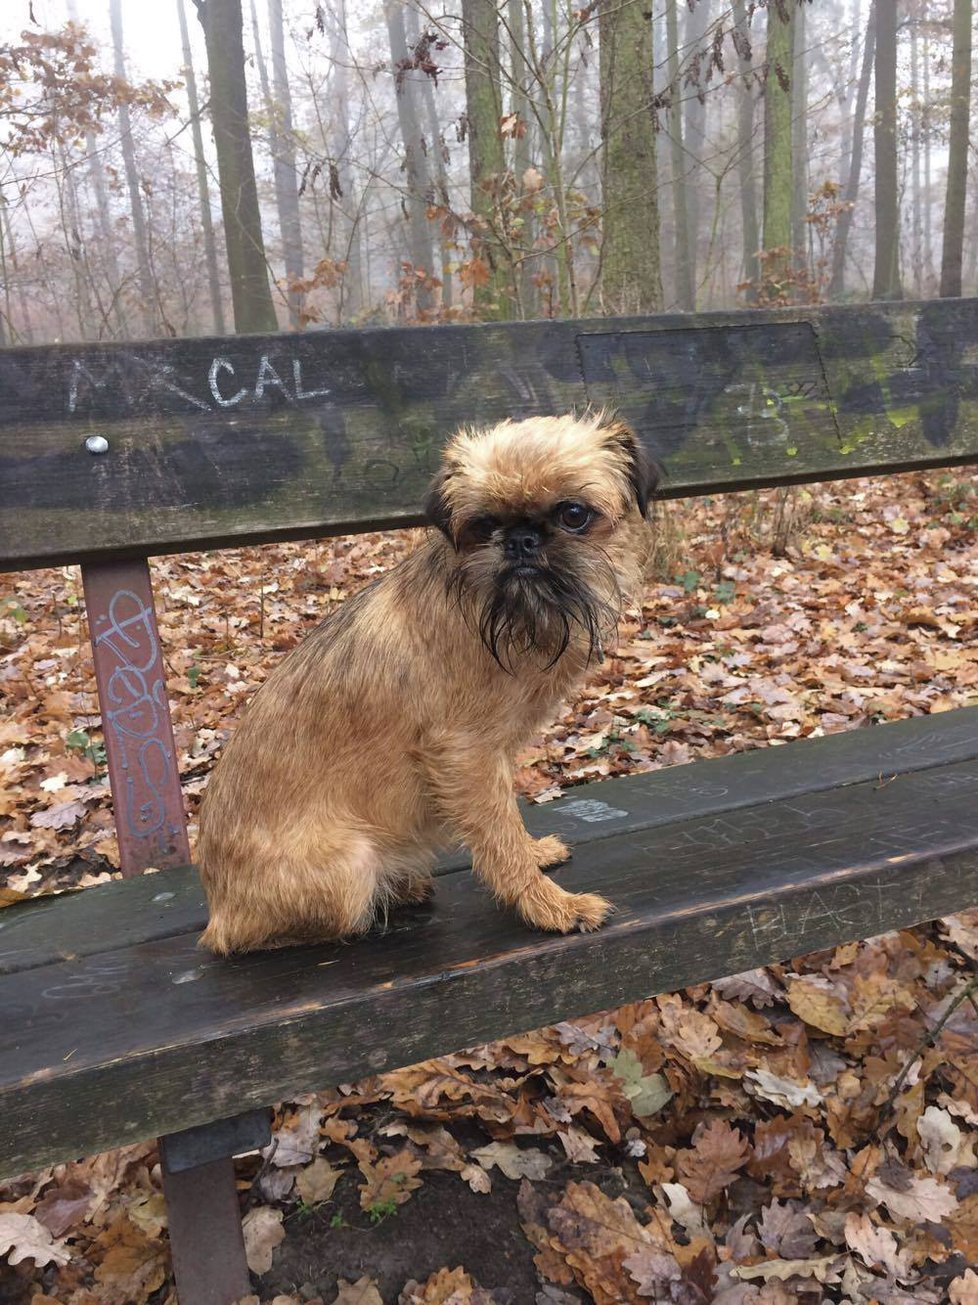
<point>250,438</point>
<point>174,1037</point>
<point>50,929</point>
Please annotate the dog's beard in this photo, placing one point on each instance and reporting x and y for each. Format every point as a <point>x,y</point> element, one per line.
<point>537,611</point>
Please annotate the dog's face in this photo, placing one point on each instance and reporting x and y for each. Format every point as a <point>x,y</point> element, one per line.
<point>543,516</point>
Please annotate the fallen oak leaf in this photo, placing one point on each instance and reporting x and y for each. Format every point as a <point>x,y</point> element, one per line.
<point>362,1292</point>
<point>653,1271</point>
<point>877,1246</point>
<point>964,1290</point>
<point>648,1093</point>
<point>129,1261</point>
<point>296,1140</point>
<point>23,1237</point>
<point>263,1231</point>
<point>439,1150</point>
<point>391,1179</point>
<point>924,1200</point>
<point>513,1161</point>
<point>62,1207</point>
<point>581,1147</point>
<point>445,1287</point>
<point>712,1163</point>
<point>595,1234</point>
<point>748,1025</point>
<point>785,1092</point>
<point>964,1228</point>
<point>787,1231</point>
<point>316,1182</point>
<point>945,1146</point>
<point>816,1001</point>
<point>533,1208</point>
<point>755,986</point>
<point>821,1270</point>
<point>63,815</point>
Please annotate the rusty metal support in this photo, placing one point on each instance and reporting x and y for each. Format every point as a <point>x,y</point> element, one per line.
<point>206,1241</point>
<point>149,814</point>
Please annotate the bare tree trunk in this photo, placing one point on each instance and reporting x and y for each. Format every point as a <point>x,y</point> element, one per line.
<point>851,192</point>
<point>250,294</point>
<point>6,318</point>
<point>521,153</point>
<point>107,237</point>
<point>745,151</point>
<point>926,126</point>
<point>415,159</point>
<point>685,290</point>
<point>286,185</point>
<point>886,272</point>
<point>917,240</point>
<point>144,272</point>
<point>413,30</point>
<point>630,272</point>
<point>203,188</point>
<point>353,288</point>
<point>694,134</point>
<point>799,143</point>
<point>777,147</point>
<point>957,163</point>
<point>487,162</point>
<point>74,241</point>
<point>9,270</point>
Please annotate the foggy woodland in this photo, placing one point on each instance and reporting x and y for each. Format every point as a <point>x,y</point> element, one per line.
<point>341,163</point>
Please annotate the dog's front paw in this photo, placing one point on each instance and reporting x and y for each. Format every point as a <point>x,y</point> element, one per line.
<point>590,910</point>
<point>551,851</point>
<point>548,907</point>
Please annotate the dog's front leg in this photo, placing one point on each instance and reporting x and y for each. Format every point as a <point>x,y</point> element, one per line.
<point>476,801</point>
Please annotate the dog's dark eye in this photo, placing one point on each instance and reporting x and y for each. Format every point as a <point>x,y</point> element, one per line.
<point>574,516</point>
<point>480,531</point>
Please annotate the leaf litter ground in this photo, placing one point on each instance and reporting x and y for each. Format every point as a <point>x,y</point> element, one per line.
<point>783,1135</point>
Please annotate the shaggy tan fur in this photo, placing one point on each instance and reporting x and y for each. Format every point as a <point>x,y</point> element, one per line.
<point>391,731</point>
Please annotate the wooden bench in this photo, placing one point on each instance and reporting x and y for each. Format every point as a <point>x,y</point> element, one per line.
<point>115,1027</point>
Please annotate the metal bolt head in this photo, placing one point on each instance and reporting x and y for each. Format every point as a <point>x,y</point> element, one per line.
<point>97,444</point>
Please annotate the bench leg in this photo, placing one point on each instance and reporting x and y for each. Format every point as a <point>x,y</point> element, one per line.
<point>206,1241</point>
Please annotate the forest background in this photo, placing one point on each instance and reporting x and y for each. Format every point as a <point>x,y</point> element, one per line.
<point>497,161</point>
<point>807,1132</point>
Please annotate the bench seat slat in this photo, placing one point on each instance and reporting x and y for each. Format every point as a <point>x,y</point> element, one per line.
<point>49,929</point>
<point>172,1037</point>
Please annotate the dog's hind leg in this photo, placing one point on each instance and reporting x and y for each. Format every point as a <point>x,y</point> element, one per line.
<point>317,889</point>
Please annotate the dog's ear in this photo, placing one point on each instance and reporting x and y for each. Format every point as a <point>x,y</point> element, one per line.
<point>644,472</point>
<point>436,507</point>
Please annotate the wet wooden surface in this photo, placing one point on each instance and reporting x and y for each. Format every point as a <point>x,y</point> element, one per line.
<point>49,929</point>
<point>215,441</point>
<point>173,1037</point>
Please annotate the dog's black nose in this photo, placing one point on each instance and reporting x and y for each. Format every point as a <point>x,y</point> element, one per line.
<point>522,542</point>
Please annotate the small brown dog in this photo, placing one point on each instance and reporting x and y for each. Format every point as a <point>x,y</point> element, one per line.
<point>391,731</point>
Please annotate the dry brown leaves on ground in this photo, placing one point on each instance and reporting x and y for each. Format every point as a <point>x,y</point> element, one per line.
<point>748,1140</point>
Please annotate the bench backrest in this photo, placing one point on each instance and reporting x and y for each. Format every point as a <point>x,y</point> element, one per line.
<point>211,442</point>
<point>111,453</point>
